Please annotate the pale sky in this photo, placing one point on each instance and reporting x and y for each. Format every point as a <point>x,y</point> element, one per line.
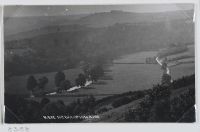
<point>86,9</point>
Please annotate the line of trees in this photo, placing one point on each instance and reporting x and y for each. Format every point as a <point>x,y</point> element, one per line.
<point>90,73</point>
<point>93,72</point>
<point>33,83</point>
<point>61,82</point>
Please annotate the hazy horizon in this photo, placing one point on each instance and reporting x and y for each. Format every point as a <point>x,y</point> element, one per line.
<point>60,10</point>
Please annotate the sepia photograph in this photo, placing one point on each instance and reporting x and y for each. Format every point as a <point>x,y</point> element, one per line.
<point>99,63</point>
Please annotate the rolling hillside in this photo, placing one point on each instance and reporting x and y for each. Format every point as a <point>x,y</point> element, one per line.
<point>64,46</point>
<point>105,19</point>
<point>34,25</point>
<point>15,25</point>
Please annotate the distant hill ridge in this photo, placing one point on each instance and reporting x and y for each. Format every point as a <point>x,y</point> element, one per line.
<point>24,25</point>
<point>110,18</point>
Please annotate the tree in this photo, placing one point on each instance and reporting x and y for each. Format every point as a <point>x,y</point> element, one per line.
<point>42,82</point>
<point>86,69</point>
<point>81,80</point>
<point>59,77</point>
<point>66,84</point>
<point>31,83</point>
<point>166,79</point>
